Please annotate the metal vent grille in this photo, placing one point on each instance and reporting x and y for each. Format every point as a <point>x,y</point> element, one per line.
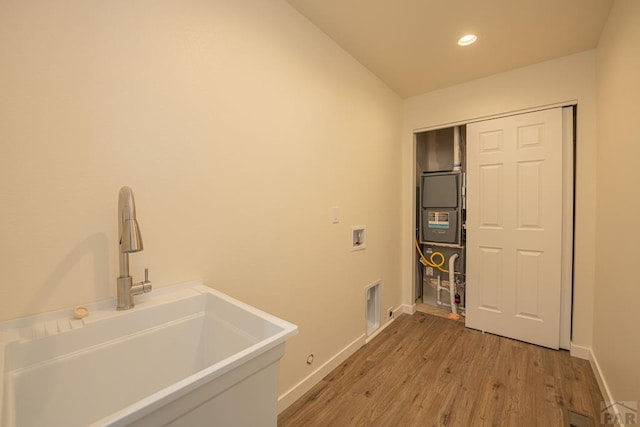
<point>575,419</point>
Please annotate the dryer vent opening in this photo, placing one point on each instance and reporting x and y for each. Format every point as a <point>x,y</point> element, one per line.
<point>372,307</point>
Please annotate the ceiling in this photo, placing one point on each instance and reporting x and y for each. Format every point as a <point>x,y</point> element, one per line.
<point>411,44</point>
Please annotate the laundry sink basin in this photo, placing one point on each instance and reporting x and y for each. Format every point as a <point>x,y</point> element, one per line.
<point>185,354</point>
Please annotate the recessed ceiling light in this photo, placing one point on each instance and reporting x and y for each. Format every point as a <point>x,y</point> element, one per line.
<point>467,39</point>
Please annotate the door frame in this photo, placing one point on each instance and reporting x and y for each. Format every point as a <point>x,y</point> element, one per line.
<point>568,200</point>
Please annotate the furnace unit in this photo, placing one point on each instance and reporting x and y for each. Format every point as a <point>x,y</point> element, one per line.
<point>441,208</point>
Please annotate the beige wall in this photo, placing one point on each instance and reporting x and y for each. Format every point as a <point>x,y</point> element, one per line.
<point>616,340</point>
<point>237,124</point>
<point>564,80</point>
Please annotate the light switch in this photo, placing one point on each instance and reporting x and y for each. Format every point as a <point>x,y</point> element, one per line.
<point>336,214</point>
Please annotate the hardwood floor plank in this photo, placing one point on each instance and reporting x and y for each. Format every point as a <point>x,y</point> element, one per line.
<point>424,370</point>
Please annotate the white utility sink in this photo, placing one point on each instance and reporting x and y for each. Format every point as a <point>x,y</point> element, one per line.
<point>184,355</point>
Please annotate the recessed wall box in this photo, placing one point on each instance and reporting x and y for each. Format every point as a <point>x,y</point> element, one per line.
<point>372,307</point>
<point>358,238</point>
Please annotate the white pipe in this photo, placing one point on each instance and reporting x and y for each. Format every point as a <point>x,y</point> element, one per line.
<point>452,283</point>
<point>457,164</point>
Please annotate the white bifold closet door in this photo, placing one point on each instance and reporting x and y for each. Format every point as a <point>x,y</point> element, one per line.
<point>514,226</point>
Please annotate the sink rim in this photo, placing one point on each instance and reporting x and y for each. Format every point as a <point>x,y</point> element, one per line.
<point>21,330</point>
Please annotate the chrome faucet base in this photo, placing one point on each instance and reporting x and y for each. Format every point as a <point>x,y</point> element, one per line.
<point>124,298</point>
<point>126,291</point>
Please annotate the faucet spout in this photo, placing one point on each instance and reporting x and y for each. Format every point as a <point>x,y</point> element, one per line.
<point>130,240</point>
<point>130,237</point>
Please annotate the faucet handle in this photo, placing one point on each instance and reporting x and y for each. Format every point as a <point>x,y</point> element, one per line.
<point>146,285</point>
<point>142,287</point>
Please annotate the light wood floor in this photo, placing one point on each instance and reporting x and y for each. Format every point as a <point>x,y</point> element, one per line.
<point>424,370</point>
<point>434,311</point>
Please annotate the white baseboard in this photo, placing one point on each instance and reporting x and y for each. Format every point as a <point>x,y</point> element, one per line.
<point>398,311</point>
<point>604,388</point>
<point>580,352</point>
<point>586,353</point>
<point>381,328</point>
<point>295,392</point>
<point>408,308</point>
